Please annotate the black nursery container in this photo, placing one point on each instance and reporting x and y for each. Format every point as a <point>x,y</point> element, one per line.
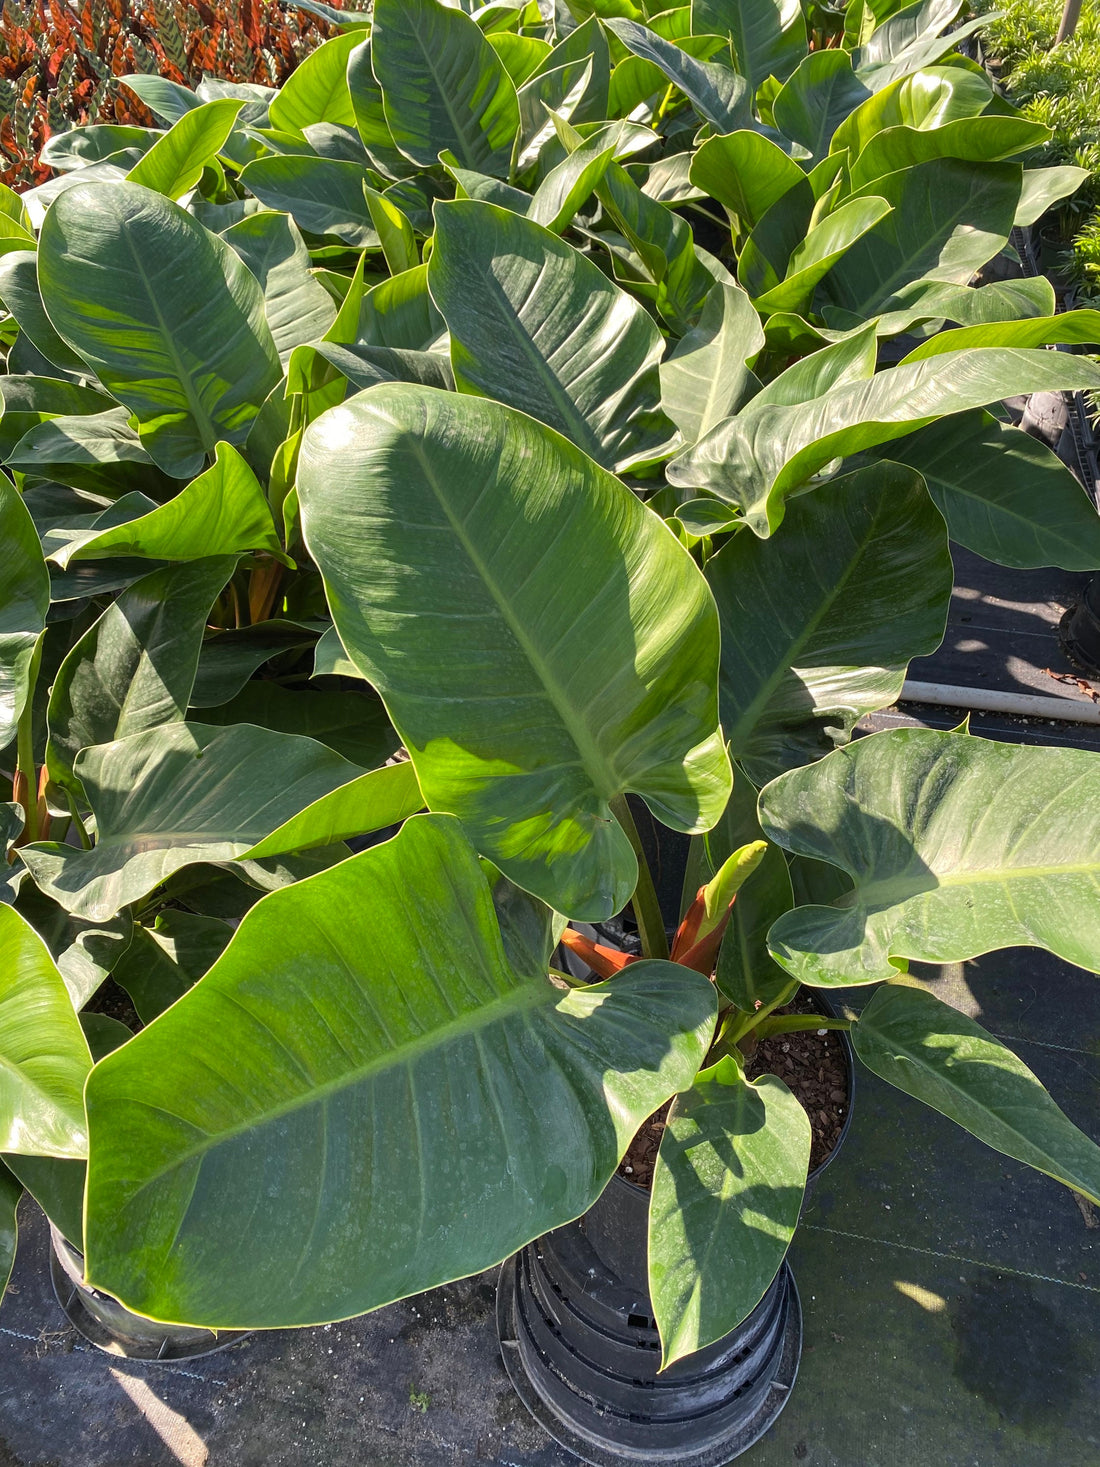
<point>581,1348</point>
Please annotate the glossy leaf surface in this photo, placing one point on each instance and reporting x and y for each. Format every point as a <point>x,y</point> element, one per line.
<point>932,1051</point>
<point>43,1053</point>
<point>24,601</point>
<point>166,314</point>
<point>727,1191</point>
<point>819,622</point>
<point>322,1049</point>
<point>537,326</point>
<point>1005,855</point>
<point>601,655</point>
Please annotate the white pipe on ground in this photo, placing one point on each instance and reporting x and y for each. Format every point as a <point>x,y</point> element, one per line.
<point>987,700</point>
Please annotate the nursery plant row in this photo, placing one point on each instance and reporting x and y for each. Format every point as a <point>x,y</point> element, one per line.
<point>523,417</point>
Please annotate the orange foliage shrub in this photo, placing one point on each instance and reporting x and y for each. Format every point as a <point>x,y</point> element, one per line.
<point>60,60</point>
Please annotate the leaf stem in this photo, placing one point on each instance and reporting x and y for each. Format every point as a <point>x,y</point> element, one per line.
<point>81,829</point>
<point>647,909</point>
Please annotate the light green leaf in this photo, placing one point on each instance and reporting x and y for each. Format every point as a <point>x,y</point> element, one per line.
<point>956,845</point>
<point>85,952</point>
<point>319,1142</point>
<point>973,139</point>
<point>819,95</point>
<point>43,1053</point>
<point>174,164</point>
<point>77,147</point>
<point>24,601</point>
<point>931,1051</point>
<point>758,457</point>
<point>602,683</point>
<point>950,218</point>
<point>134,668</point>
<point>567,186</point>
<point>720,95</point>
<point>824,245</point>
<point>20,295</point>
<point>1081,328</point>
<point>26,401</point>
<point>297,305</point>
<point>746,172</point>
<point>170,319</point>
<point>370,116</point>
<point>512,295</point>
<point>394,231</point>
<point>98,452</point>
<point>222,512</point>
<point>176,795</point>
<point>819,623</point>
<point>1044,187</point>
<point>322,195</point>
<point>768,36</point>
<point>330,659</point>
<point>317,90</point>
<point>1004,494</point>
<point>929,98</point>
<point>167,99</point>
<point>851,359</point>
<point>706,378</point>
<point>549,95</point>
<point>443,86</point>
<point>522,55</point>
<point>381,798</point>
<point>400,313</point>
<point>727,1192</point>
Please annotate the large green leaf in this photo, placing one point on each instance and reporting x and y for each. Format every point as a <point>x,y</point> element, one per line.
<point>43,1053</point>
<point>1004,494</point>
<point>705,377</point>
<point>27,401</point>
<point>221,512</point>
<point>370,116</point>
<point>720,95</point>
<point>11,1191</point>
<point>1044,187</point>
<point>317,90</point>
<point>768,36</point>
<point>949,219</point>
<point>817,98</point>
<point>99,452</point>
<point>1078,328</point>
<point>956,845</point>
<point>443,86</point>
<point>536,325</point>
<point>930,98</point>
<point>824,245</point>
<point>85,952</point>
<point>24,601</point>
<point>746,172</point>
<point>230,658</point>
<point>345,1011</point>
<point>819,623</point>
<point>167,315</point>
<point>20,295</point>
<point>176,795</point>
<point>175,162</point>
<point>757,457</point>
<point>322,195</point>
<point>930,1050</point>
<point>298,307</point>
<point>433,517</point>
<point>374,801</point>
<point>975,139</point>
<point>134,668</point>
<point>727,1192</point>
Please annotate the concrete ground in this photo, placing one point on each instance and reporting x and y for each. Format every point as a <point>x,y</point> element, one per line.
<point>951,1297</point>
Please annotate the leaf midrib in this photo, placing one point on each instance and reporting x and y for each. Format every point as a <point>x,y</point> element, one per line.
<point>525,996</point>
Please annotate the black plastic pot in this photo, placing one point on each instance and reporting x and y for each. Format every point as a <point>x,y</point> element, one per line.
<point>582,1351</point>
<point>113,1328</point>
<point>1080,629</point>
<point>581,1348</point>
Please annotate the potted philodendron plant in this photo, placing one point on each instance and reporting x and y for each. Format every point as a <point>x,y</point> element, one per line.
<point>402,410</point>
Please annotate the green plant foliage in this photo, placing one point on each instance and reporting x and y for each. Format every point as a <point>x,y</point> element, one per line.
<point>406,470</point>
